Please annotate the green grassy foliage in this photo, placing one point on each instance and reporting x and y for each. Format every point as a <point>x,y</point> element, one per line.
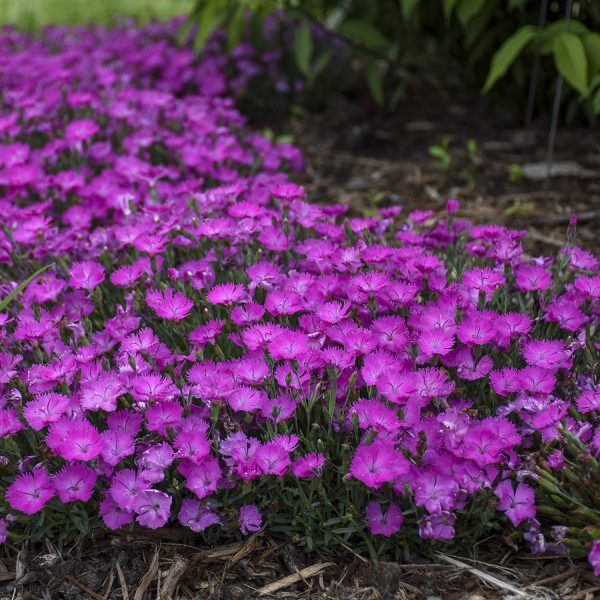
<point>32,14</point>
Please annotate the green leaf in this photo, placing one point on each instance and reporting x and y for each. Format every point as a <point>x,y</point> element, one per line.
<point>546,36</point>
<point>236,28</point>
<point>375,82</point>
<point>449,6</point>
<point>591,43</point>
<point>506,55</point>
<point>210,19</point>
<point>571,61</point>
<point>6,301</point>
<point>303,48</point>
<point>596,104</point>
<point>319,65</point>
<point>408,8</point>
<point>365,34</point>
<point>467,9</point>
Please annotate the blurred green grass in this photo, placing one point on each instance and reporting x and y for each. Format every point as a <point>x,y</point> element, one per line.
<point>33,14</point>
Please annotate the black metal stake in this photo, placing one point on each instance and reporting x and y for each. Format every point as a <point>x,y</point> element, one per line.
<point>556,107</point>
<point>536,69</point>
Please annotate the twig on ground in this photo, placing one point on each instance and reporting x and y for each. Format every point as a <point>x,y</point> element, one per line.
<point>175,573</point>
<point>111,579</point>
<point>491,579</point>
<point>148,577</point>
<point>584,593</point>
<point>291,579</point>
<point>555,578</point>
<point>122,582</point>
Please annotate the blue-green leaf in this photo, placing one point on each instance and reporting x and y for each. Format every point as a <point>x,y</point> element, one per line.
<point>6,301</point>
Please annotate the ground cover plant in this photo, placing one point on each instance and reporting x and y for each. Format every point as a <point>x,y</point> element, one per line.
<point>207,348</point>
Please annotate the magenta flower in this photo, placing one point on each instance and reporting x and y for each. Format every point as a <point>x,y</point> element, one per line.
<point>518,504</point>
<point>74,439</point>
<point>250,519</point>
<point>594,557</point>
<point>333,312</point>
<point>191,444</point>
<point>86,275</point>
<point>226,294</point>
<point>80,131</point>
<point>9,422</point>
<point>196,516</point>
<point>29,493</point>
<point>102,393</point>
<point>74,482</point>
<point>533,278</point>
<point>153,508</point>
<point>273,459</point>
<point>437,527</point>
<point>435,341</point>
<point>170,305</point>
<point>309,465</point>
<point>289,345</point>
<point>436,493</point>
<point>113,514</point>
<point>288,191</point>
<point>547,354</point>
<point>160,417</point>
<point>537,380</point>
<point>201,478</point>
<point>375,414</point>
<point>247,399</point>
<point>116,445</point>
<point>378,463</point>
<point>125,487</point>
<point>476,329</point>
<point>397,386</point>
<point>588,401</point>
<point>384,521</point>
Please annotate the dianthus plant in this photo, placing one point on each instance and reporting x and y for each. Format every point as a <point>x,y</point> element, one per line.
<point>210,350</point>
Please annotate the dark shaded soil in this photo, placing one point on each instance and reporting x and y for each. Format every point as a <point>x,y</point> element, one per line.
<point>369,160</point>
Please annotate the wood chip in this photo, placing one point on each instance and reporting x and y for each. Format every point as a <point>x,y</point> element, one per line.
<point>175,573</point>
<point>122,582</point>
<point>491,579</point>
<point>147,578</point>
<point>295,578</point>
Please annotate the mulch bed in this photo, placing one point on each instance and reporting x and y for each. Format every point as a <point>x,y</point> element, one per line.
<point>142,566</point>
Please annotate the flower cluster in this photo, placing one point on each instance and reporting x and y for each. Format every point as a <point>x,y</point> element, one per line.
<point>206,339</point>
